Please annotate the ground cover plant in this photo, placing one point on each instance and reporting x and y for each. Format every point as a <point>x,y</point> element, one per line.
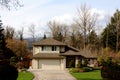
<point>93,75</point>
<point>25,75</point>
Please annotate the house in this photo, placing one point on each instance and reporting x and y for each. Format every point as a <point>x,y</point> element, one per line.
<point>52,54</point>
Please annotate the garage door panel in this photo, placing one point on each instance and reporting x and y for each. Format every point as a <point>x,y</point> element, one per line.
<point>50,64</point>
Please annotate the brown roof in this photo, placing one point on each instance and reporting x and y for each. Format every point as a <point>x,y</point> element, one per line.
<point>75,49</point>
<point>47,56</point>
<point>88,54</point>
<point>72,53</point>
<point>49,41</point>
<point>84,54</point>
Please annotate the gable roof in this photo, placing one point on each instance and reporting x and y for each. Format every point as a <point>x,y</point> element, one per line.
<point>49,41</point>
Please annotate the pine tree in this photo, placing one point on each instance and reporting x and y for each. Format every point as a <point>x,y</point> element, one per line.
<point>111,35</point>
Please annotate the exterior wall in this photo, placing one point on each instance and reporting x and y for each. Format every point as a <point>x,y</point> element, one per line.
<point>38,49</point>
<point>62,49</point>
<point>56,63</point>
<point>49,50</point>
<point>76,61</point>
<point>63,63</point>
<point>35,64</point>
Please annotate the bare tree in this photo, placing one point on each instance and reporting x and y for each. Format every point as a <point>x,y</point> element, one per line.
<point>76,38</point>
<point>107,21</point>
<point>117,30</point>
<point>10,3</point>
<point>32,31</point>
<point>58,31</point>
<point>86,21</point>
<point>9,32</point>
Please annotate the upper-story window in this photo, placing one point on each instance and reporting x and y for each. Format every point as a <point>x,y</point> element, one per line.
<point>62,49</point>
<point>54,48</point>
<point>44,48</point>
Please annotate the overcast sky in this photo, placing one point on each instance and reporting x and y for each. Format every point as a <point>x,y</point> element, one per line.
<point>39,12</point>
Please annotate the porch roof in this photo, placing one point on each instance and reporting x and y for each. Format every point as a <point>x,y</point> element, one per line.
<point>71,53</point>
<point>80,53</point>
<point>47,56</point>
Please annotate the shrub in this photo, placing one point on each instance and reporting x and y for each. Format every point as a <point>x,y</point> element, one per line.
<point>87,69</point>
<point>79,65</point>
<point>13,61</point>
<point>110,63</point>
<point>110,71</point>
<point>84,63</point>
<point>71,64</point>
<point>73,70</point>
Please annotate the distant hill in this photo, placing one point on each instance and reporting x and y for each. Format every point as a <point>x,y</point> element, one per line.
<point>30,42</point>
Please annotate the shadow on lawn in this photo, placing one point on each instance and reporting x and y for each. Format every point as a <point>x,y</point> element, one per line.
<point>88,79</point>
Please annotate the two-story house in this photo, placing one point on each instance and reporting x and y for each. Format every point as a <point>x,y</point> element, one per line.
<point>52,54</point>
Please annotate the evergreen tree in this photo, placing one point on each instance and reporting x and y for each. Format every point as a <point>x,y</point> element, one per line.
<point>110,35</point>
<point>92,37</point>
<point>5,53</point>
<point>44,36</point>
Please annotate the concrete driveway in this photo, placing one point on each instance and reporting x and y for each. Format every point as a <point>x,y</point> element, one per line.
<point>52,75</point>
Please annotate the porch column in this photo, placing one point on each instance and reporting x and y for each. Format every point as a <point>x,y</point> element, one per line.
<point>64,61</point>
<point>76,61</point>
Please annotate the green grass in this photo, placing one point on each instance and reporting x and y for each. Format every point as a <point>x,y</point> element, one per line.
<point>25,76</point>
<point>93,75</point>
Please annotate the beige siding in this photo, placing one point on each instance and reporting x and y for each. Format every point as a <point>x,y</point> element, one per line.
<point>49,50</point>
<point>36,50</point>
<point>35,64</point>
<point>48,63</point>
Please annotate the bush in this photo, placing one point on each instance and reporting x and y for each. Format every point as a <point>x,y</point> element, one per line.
<point>79,65</point>
<point>110,63</point>
<point>87,69</point>
<point>71,64</point>
<point>111,72</point>
<point>73,70</point>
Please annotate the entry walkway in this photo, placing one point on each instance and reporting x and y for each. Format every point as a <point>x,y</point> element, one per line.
<point>52,75</point>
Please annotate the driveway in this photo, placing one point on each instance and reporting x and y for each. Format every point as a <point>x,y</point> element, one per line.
<point>52,75</point>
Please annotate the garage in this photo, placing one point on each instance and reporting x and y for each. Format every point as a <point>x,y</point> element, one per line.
<point>50,64</point>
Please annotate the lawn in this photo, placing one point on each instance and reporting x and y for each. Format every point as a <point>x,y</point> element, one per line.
<point>25,76</point>
<point>93,75</point>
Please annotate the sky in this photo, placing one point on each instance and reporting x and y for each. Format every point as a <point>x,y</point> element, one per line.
<point>40,12</point>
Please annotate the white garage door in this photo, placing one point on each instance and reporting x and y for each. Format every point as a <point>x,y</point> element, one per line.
<point>50,64</point>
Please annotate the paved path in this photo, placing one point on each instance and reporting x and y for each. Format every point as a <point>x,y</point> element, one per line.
<point>52,75</point>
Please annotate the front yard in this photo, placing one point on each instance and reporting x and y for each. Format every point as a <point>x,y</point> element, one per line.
<point>25,75</point>
<point>93,75</point>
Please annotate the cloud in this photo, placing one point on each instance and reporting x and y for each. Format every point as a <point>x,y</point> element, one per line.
<point>65,18</point>
<point>101,13</point>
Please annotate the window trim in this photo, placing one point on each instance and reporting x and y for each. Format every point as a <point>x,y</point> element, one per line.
<point>54,48</point>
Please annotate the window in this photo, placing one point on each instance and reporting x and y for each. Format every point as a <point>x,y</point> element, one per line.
<point>54,48</point>
<point>43,48</point>
<point>62,49</point>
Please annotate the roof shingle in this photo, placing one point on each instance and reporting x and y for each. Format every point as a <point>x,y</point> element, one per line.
<point>49,41</point>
